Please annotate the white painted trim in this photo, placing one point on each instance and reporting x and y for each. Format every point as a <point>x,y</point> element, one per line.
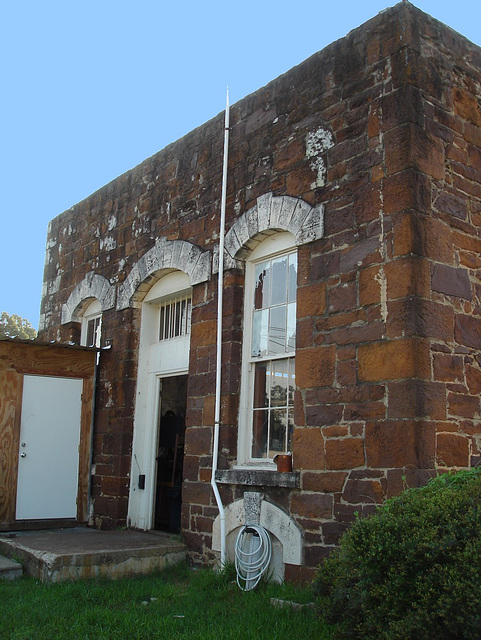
<point>276,521</point>
<point>276,244</point>
<point>151,369</point>
<point>93,311</point>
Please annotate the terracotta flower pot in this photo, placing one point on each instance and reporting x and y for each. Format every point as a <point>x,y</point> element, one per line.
<point>283,462</point>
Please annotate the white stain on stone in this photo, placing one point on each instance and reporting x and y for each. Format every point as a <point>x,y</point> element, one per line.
<point>51,242</point>
<point>381,279</point>
<point>318,142</point>
<point>54,285</point>
<point>107,244</point>
<point>111,223</point>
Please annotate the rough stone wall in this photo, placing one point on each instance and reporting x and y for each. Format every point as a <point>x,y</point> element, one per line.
<point>388,341</point>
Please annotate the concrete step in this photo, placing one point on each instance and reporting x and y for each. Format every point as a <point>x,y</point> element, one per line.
<point>72,554</point>
<point>10,569</point>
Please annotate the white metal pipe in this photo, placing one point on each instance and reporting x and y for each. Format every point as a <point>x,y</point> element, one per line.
<point>220,290</point>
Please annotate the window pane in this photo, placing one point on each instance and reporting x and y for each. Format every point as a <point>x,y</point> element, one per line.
<point>279,383</point>
<point>290,430</point>
<point>279,280</point>
<point>292,277</point>
<point>189,315</point>
<point>291,326</point>
<point>260,333</point>
<point>277,330</point>
<point>261,390</point>
<point>90,333</point>
<point>177,324</point>
<point>277,436</point>
<point>261,293</point>
<point>292,380</point>
<point>162,320</point>
<point>259,434</point>
<point>167,322</point>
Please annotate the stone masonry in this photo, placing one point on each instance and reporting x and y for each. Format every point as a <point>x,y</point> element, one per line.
<point>378,137</point>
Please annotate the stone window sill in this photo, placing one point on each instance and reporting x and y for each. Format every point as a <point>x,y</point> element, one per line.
<point>258,478</point>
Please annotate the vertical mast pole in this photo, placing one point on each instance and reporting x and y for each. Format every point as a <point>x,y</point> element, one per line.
<point>220,291</point>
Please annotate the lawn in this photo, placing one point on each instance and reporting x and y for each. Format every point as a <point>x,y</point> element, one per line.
<point>176,603</point>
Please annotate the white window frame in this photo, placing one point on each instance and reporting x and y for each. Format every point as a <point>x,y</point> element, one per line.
<point>278,244</point>
<point>92,318</point>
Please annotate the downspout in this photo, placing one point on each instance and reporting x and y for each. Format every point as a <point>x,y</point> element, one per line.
<point>92,424</point>
<point>220,288</point>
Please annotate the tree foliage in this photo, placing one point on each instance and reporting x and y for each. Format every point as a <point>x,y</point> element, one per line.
<point>412,571</point>
<point>13,326</point>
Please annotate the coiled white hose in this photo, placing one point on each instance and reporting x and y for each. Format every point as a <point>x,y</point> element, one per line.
<point>253,551</point>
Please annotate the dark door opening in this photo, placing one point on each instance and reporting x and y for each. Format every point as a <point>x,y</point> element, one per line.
<point>170,454</point>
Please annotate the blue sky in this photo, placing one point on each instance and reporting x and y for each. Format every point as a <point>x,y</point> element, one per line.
<point>92,88</point>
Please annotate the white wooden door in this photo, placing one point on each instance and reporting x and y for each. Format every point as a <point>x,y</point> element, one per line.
<point>48,463</point>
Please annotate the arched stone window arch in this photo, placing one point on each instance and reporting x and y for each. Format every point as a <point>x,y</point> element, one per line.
<point>165,255</point>
<point>274,213</point>
<point>93,286</point>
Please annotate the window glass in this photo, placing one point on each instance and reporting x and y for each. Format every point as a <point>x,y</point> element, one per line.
<point>273,343</point>
<point>277,330</point>
<point>273,407</point>
<point>260,333</point>
<point>91,325</point>
<point>292,278</point>
<point>279,281</point>
<point>93,332</point>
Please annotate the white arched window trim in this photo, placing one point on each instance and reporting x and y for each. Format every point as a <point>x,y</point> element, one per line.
<point>91,327</point>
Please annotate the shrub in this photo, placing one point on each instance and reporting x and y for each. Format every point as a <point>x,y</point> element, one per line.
<point>413,569</point>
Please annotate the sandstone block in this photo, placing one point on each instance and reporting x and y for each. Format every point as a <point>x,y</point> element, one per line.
<point>312,505</point>
<point>344,453</point>
<point>308,448</point>
<point>397,444</point>
<point>394,359</point>
<point>315,367</point>
<point>452,450</point>
<point>451,281</point>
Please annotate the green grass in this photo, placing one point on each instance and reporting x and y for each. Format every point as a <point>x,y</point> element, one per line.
<point>176,603</point>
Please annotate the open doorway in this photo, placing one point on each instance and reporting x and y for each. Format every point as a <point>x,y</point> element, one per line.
<point>170,453</point>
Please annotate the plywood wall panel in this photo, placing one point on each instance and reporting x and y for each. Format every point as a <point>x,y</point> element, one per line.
<point>10,403</point>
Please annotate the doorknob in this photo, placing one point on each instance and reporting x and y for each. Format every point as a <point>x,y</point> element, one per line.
<point>23,455</point>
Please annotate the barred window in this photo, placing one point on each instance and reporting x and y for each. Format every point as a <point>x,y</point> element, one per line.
<point>175,318</point>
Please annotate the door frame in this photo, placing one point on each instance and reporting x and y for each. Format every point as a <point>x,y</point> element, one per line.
<point>157,360</point>
<point>19,358</point>
<point>160,410</point>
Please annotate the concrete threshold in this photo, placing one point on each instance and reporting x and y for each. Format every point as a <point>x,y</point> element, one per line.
<point>56,555</point>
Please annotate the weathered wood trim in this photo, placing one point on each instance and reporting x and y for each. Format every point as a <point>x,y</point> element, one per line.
<point>18,359</point>
<point>84,450</point>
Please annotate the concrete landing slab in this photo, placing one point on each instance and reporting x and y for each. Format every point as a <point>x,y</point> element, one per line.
<point>9,569</point>
<point>56,555</point>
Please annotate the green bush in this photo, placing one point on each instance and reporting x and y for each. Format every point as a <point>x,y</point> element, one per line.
<point>413,569</point>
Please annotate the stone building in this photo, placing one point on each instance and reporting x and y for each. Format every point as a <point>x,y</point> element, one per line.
<point>352,286</point>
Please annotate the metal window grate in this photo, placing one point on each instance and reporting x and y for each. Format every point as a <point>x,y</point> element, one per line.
<point>175,318</point>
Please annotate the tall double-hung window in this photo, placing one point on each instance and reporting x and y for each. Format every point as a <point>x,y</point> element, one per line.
<point>269,349</point>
